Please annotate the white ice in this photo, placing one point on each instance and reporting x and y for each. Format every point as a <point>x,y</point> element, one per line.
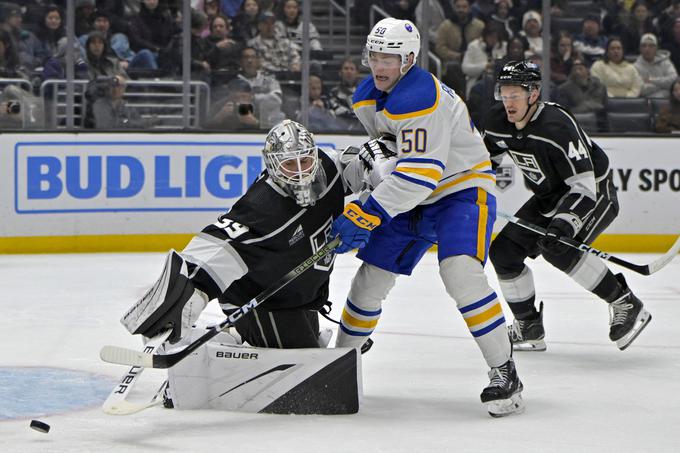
<point>422,378</point>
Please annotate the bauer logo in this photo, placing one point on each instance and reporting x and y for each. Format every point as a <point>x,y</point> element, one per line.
<point>53,177</point>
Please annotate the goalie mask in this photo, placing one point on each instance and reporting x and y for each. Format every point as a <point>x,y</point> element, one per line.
<point>292,161</point>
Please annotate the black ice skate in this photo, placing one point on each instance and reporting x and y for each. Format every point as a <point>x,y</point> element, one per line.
<point>503,394</point>
<point>528,334</point>
<point>627,317</point>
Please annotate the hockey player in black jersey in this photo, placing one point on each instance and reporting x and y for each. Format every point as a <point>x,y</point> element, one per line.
<point>573,196</point>
<point>283,219</point>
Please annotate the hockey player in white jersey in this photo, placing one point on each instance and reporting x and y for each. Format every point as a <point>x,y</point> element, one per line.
<point>440,191</point>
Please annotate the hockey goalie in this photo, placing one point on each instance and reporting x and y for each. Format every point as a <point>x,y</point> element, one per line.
<point>274,359</point>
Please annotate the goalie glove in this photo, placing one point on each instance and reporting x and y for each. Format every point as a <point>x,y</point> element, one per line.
<point>366,166</point>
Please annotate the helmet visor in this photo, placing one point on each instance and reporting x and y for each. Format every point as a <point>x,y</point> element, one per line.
<point>515,95</point>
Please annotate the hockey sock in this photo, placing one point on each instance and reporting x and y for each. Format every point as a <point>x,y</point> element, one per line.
<point>524,310</point>
<point>609,288</point>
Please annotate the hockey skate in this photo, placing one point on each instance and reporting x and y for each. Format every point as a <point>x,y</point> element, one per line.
<point>503,395</point>
<point>528,334</point>
<point>627,317</point>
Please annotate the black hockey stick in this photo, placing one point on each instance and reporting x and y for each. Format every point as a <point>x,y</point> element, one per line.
<point>644,269</point>
<point>131,357</point>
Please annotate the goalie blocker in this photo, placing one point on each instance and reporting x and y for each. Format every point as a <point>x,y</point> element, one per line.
<point>278,381</point>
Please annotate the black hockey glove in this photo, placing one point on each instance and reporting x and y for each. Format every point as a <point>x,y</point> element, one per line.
<point>549,243</point>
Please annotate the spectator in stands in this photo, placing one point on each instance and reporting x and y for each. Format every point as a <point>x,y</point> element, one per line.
<point>229,7</point>
<point>482,53</point>
<point>55,66</point>
<point>456,32</point>
<point>119,44</point>
<point>562,57</point>
<point>49,31</point>
<point>483,9</point>
<point>669,115</point>
<point>438,11</point>
<point>226,50</point>
<point>236,111</point>
<point>590,43</point>
<point>637,24</point>
<point>481,99</point>
<point>153,28</point>
<point>666,21</point>
<point>531,31</point>
<point>245,22</point>
<point>110,111</point>
<point>277,52</point>
<point>100,62</point>
<point>321,116</point>
<point>211,8</point>
<point>265,89</point>
<point>401,9</point>
<point>582,93</point>
<point>674,45</point>
<point>118,13</point>
<point>655,68</point>
<point>170,59</point>
<point>27,45</point>
<point>517,48</point>
<point>10,66</point>
<point>341,95</point>
<point>290,26</point>
<point>620,77</point>
<point>503,17</point>
<point>83,20</point>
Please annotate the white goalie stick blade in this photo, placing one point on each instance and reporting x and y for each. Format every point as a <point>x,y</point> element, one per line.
<point>117,402</point>
<point>503,408</point>
<point>125,407</point>
<point>125,356</point>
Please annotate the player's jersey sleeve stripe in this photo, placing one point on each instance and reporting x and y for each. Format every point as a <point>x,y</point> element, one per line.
<point>461,179</point>
<point>429,185</point>
<point>485,164</point>
<point>426,172</point>
<point>422,112</point>
<point>418,160</point>
<point>364,103</point>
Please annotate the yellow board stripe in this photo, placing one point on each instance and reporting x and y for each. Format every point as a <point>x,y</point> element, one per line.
<point>484,316</point>
<point>427,172</point>
<point>403,116</point>
<point>620,243</point>
<point>463,179</point>
<point>363,103</point>
<point>354,322</point>
<point>481,225</point>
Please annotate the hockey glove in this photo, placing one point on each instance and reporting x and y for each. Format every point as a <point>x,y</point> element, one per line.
<point>549,243</point>
<point>365,167</point>
<point>354,227</point>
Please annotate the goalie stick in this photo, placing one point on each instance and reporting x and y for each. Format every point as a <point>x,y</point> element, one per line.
<point>125,356</point>
<point>117,402</point>
<point>644,269</point>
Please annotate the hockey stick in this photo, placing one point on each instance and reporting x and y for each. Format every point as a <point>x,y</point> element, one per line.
<point>125,356</point>
<point>117,402</point>
<point>644,269</point>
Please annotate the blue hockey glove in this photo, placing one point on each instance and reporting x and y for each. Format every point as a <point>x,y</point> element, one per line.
<point>354,227</point>
<point>549,243</point>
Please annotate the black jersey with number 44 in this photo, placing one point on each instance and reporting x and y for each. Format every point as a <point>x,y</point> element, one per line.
<point>271,235</point>
<point>559,161</point>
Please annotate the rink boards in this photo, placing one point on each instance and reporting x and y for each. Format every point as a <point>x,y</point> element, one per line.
<point>144,192</point>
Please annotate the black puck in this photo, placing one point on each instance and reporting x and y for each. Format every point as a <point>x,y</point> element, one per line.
<point>40,426</point>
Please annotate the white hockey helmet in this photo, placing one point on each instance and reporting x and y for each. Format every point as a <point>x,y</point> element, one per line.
<point>292,161</point>
<point>393,36</point>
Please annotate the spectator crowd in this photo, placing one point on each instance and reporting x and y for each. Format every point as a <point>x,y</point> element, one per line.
<point>248,52</point>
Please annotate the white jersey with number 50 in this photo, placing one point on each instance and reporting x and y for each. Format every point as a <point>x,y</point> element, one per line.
<point>440,150</point>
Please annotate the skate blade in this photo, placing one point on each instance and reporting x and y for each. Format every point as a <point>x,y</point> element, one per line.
<point>641,322</point>
<point>503,408</point>
<point>534,345</point>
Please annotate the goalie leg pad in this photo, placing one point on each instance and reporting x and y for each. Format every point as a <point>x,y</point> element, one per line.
<point>163,303</point>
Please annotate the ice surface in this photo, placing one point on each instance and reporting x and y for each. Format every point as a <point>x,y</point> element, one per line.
<point>422,378</point>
